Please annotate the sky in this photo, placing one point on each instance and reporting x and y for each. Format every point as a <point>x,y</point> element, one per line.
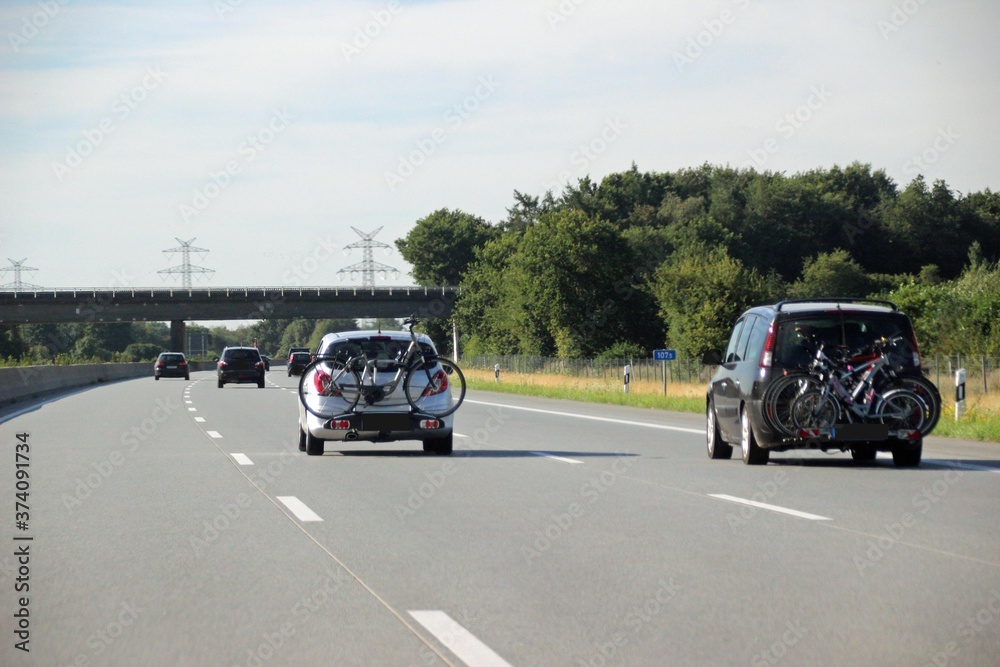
<point>266,131</point>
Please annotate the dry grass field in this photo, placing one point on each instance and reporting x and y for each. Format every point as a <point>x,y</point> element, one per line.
<point>981,421</point>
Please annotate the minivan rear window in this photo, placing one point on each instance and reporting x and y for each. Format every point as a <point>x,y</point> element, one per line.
<point>854,332</point>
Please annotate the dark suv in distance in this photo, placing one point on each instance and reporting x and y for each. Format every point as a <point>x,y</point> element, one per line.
<point>241,365</point>
<point>297,361</point>
<point>171,365</point>
<point>766,367</point>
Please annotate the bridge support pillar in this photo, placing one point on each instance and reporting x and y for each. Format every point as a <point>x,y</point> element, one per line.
<point>178,336</point>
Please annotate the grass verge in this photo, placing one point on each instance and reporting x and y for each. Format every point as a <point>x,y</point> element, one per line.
<point>981,421</point>
<point>681,398</point>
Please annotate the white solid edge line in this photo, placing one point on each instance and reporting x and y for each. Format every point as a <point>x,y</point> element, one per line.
<point>214,434</point>
<point>242,459</point>
<point>459,641</point>
<point>773,508</point>
<point>961,464</point>
<point>600,419</point>
<point>299,508</point>
<point>553,456</point>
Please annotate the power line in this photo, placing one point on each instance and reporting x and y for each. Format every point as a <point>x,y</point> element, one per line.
<point>367,267</point>
<point>18,268</point>
<point>185,268</point>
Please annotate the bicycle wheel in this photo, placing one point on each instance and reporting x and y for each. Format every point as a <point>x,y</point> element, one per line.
<point>901,409</point>
<point>329,388</point>
<point>929,394</point>
<point>779,397</point>
<point>434,386</point>
<point>814,409</point>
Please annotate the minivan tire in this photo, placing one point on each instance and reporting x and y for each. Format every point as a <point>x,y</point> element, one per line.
<point>907,453</point>
<point>753,454</point>
<point>314,446</point>
<point>440,446</point>
<point>717,447</point>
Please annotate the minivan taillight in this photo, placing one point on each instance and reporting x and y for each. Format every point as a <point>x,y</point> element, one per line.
<point>767,354</point>
<point>916,349</point>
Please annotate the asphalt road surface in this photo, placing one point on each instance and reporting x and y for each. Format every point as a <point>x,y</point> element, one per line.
<point>173,523</point>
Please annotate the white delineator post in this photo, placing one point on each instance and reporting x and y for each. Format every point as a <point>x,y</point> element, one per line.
<point>628,374</point>
<point>959,393</point>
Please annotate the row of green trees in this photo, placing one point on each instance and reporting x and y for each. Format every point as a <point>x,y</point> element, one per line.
<point>143,341</point>
<point>644,260</point>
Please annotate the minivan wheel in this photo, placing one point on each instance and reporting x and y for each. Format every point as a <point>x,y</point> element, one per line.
<point>314,445</point>
<point>906,453</point>
<point>440,446</point>
<point>753,454</point>
<point>717,448</point>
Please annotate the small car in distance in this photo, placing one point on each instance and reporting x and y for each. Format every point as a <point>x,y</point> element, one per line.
<point>241,365</point>
<point>298,361</point>
<point>171,365</point>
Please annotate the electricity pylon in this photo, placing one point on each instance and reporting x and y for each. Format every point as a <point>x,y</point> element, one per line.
<point>185,268</point>
<point>17,268</point>
<point>367,267</point>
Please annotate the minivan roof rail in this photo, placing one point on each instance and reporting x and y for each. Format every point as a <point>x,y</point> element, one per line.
<point>879,302</point>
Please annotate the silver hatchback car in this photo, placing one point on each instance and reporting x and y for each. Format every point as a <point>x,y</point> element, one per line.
<point>380,411</point>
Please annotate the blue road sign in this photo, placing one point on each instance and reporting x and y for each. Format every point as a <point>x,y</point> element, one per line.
<point>664,355</point>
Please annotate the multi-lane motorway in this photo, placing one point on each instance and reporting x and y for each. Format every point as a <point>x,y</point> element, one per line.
<point>174,523</point>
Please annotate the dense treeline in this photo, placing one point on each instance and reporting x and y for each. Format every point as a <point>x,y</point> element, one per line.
<point>643,260</point>
<point>143,341</point>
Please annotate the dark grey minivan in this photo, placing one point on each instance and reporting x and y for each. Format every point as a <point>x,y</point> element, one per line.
<point>767,365</point>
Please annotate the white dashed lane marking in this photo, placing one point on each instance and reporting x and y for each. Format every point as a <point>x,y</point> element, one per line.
<point>214,434</point>
<point>299,508</point>
<point>242,459</point>
<point>459,641</point>
<point>773,508</point>
<point>557,458</point>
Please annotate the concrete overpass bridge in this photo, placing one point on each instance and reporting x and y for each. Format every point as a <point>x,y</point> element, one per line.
<point>178,306</point>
